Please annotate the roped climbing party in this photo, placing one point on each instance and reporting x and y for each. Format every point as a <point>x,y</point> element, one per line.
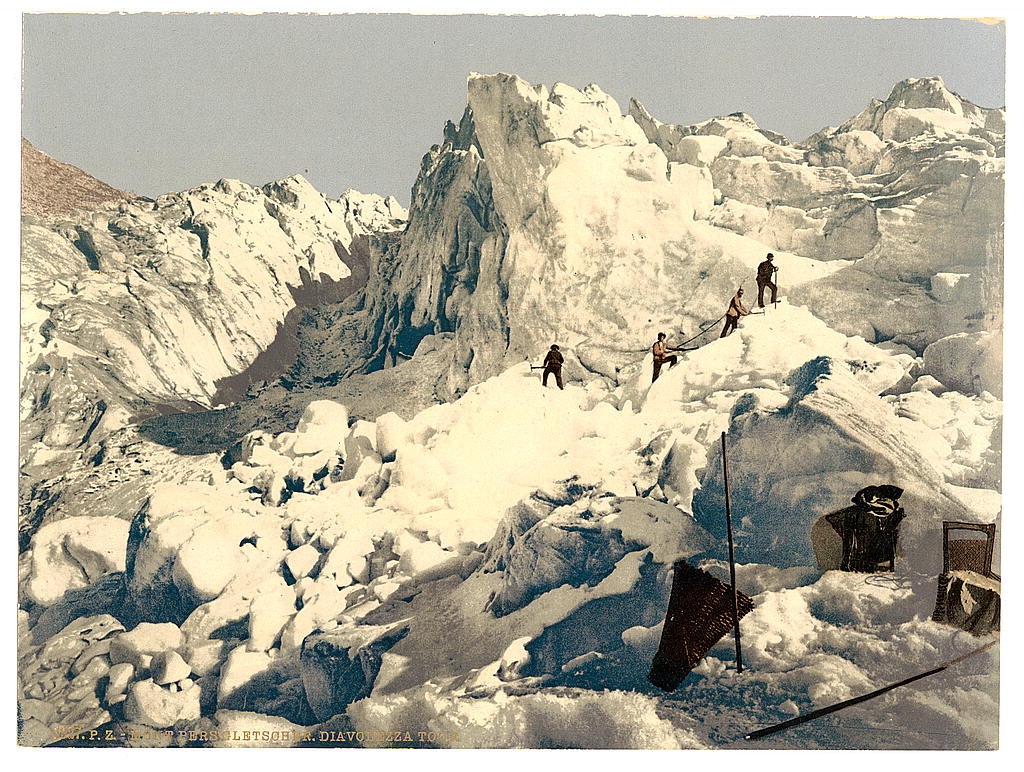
<point>766,279</point>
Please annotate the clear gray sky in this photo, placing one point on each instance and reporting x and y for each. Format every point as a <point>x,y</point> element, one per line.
<point>155,103</point>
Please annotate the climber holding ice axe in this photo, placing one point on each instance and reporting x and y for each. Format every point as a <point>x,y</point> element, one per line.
<point>765,274</point>
<point>552,366</point>
<point>736,310</point>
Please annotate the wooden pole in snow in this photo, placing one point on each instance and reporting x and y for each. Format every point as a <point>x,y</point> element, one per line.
<point>864,697</point>
<point>732,561</point>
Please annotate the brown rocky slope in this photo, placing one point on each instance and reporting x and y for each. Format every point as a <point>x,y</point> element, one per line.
<point>50,188</point>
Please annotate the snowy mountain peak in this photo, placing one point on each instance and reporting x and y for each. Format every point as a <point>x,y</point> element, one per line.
<point>925,93</point>
<point>372,213</point>
<point>919,106</point>
<point>587,118</point>
<point>294,190</point>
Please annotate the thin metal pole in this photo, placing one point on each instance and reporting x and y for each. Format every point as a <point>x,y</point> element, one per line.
<point>732,561</point>
<point>863,698</point>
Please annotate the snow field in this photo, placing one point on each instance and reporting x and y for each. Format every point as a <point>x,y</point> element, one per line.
<point>343,550</point>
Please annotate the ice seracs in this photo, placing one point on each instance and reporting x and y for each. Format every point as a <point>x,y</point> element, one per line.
<point>147,303</point>
<point>315,569</point>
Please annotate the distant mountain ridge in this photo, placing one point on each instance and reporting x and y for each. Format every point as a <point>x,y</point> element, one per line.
<point>52,188</point>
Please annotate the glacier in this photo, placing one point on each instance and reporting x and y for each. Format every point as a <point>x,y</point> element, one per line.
<point>394,524</point>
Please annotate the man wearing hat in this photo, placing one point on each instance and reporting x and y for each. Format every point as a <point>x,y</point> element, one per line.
<point>553,366</point>
<point>765,274</point>
<point>732,316</point>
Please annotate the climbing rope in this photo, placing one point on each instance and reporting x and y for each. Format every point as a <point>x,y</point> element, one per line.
<point>705,327</point>
<point>889,581</point>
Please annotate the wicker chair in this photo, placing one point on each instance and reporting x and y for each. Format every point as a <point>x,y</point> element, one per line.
<point>967,563</point>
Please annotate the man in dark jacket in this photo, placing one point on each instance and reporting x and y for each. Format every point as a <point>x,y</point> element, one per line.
<point>765,275</point>
<point>553,366</point>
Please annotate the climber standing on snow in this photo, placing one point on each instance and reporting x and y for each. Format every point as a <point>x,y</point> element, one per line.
<point>553,366</point>
<point>660,351</point>
<point>765,275</point>
<point>732,316</point>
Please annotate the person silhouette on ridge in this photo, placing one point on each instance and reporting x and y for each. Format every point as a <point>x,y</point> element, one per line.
<point>765,275</point>
<point>553,366</point>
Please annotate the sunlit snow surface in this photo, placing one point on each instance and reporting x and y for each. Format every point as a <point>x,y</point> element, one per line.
<point>504,558</point>
<point>515,635</point>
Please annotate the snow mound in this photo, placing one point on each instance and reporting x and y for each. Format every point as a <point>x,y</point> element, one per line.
<point>968,362</point>
<point>72,553</point>
<point>790,465</point>
<point>580,720</point>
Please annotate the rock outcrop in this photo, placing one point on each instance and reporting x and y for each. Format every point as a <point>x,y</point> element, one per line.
<point>51,189</point>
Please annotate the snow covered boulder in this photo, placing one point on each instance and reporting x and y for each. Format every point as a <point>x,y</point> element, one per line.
<point>169,668</point>
<point>969,362</point>
<point>320,606</point>
<point>241,667</point>
<point>269,611</point>
<point>539,546</point>
<point>302,560</point>
<point>789,466</point>
<point>72,553</point>
<point>668,532</point>
<point>150,704</point>
<point>392,433</point>
<point>340,667</point>
<point>309,472</point>
<point>187,543</point>
<point>418,556</point>
<point>143,642</point>
<point>359,449</point>
<point>256,449</point>
<point>346,562</point>
<point>323,426</point>
<point>204,656</point>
